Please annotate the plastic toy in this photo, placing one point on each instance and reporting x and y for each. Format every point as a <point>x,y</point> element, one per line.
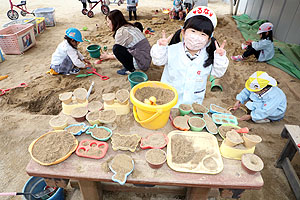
<point>3,91</point>
<point>91,149</point>
<point>13,14</point>
<point>90,13</point>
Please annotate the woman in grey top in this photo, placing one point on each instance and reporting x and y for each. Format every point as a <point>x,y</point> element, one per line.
<point>131,47</point>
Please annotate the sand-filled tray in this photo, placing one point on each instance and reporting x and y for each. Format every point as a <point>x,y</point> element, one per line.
<point>53,147</point>
<point>59,122</point>
<point>218,109</point>
<point>92,149</point>
<point>156,158</point>
<point>185,109</point>
<point>235,152</point>
<point>80,95</point>
<point>225,128</point>
<point>199,109</point>
<point>107,116</point>
<point>252,163</point>
<point>211,127</point>
<point>109,98</point>
<point>196,123</point>
<point>125,142</point>
<point>181,123</point>
<point>196,152</point>
<point>94,106</point>
<point>154,141</point>
<point>122,96</point>
<point>79,113</point>
<point>66,97</point>
<point>122,165</point>
<point>93,117</point>
<point>224,119</point>
<point>99,132</point>
<point>76,129</point>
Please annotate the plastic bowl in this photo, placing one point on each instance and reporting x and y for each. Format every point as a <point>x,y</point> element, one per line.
<point>152,164</point>
<point>193,127</point>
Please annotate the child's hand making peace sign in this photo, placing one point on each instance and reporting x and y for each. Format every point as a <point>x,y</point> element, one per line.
<point>164,41</point>
<point>220,50</point>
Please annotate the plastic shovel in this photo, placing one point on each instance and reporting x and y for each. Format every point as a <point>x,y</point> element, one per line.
<point>243,130</point>
<point>37,195</point>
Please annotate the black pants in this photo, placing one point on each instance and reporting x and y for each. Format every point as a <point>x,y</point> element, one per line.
<point>84,4</point>
<point>124,57</point>
<point>130,15</point>
<point>251,51</point>
<point>188,6</point>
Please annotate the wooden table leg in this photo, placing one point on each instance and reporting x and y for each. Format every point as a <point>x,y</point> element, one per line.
<point>90,190</point>
<point>196,193</point>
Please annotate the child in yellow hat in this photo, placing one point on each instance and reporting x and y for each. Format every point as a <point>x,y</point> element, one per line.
<point>266,101</point>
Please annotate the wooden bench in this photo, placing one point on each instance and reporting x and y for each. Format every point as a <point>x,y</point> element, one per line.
<point>292,132</point>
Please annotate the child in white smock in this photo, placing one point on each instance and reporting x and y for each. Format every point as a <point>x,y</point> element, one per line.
<point>266,101</point>
<point>189,63</point>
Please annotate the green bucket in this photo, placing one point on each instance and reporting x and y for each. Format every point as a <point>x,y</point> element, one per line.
<point>94,50</point>
<point>136,78</point>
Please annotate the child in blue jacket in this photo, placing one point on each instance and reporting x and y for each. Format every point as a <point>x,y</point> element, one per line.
<point>263,50</point>
<point>266,101</point>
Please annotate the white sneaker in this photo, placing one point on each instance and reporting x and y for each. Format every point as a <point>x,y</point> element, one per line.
<point>262,121</point>
<point>244,46</point>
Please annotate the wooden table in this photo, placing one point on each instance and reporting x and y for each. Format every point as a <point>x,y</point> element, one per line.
<point>89,171</point>
<point>292,133</point>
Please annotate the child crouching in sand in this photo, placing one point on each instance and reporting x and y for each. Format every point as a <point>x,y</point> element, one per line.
<point>263,50</point>
<point>66,56</point>
<point>266,101</point>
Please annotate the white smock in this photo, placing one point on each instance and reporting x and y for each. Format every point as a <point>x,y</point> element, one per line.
<point>188,77</point>
<point>63,50</point>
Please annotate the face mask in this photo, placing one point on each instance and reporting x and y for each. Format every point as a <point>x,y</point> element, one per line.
<point>194,42</point>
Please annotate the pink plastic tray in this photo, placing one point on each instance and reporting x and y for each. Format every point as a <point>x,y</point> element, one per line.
<point>154,147</point>
<point>86,146</point>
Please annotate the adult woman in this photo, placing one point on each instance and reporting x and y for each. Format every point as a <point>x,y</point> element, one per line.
<point>131,47</point>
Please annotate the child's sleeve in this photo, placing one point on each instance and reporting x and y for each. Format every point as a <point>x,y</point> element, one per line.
<point>159,54</point>
<point>262,44</point>
<point>220,65</point>
<point>75,57</point>
<point>81,57</point>
<point>243,96</point>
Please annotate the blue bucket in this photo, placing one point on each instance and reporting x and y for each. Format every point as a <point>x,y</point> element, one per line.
<point>37,184</point>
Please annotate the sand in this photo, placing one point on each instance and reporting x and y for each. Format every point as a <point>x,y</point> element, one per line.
<point>155,156</point>
<point>198,108</point>
<point>154,140</point>
<point>162,95</point>
<point>25,112</point>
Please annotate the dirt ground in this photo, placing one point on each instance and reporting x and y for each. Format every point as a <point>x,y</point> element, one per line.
<point>25,112</point>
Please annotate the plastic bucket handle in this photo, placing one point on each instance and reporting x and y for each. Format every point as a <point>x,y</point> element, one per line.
<point>147,120</point>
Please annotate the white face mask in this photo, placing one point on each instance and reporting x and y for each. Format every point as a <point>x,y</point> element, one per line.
<point>195,42</point>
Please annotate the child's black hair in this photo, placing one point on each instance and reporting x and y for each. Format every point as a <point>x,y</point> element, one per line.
<point>139,26</point>
<point>69,41</point>
<point>203,24</point>
<point>267,37</point>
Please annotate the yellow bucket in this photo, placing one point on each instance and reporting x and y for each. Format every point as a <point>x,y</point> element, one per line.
<point>152,116</point>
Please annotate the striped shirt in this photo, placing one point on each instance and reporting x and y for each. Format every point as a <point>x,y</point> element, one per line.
<point>128,36</point>
<point>189,55</point>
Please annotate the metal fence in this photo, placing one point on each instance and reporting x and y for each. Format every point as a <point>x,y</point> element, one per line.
<point>284,14</point>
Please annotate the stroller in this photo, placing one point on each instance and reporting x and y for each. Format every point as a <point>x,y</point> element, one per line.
<point>90,13</point>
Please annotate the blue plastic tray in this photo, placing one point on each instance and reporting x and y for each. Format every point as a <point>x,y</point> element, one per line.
<point>126,175</point>
<point>96,126</point>
<point>224,119</point>
<point>79,132</point>
<point>214,111</point>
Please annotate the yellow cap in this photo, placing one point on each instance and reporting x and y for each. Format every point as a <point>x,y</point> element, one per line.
<point>259,80</point>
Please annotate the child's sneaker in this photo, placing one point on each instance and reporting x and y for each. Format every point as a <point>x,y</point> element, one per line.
<point>244,46</point>
<point>237,58</point>
<point>123,71</point>
<point>262,121</point>
<point>74,71</point>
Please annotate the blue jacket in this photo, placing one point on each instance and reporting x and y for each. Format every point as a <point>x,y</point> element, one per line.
<point>271,105</point>
<point>266,48</point>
